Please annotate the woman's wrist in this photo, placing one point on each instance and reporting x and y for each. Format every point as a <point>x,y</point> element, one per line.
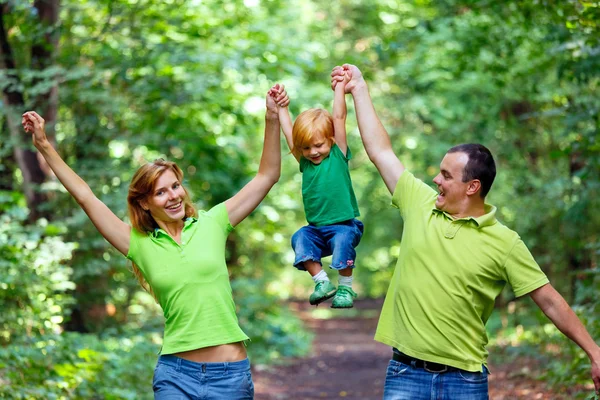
<point>43,145</point>
<point>271,115</point>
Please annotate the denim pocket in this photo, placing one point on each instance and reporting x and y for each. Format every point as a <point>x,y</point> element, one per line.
<point>250,384</point>
<point>231,385</point>
<point>155,376</point>
<point>161,379</point>
<point>473,377</point>
<point>360,226</point>
<point>396,368</point>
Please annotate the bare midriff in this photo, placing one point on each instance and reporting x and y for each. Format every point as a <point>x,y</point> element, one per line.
<point>222,353</point>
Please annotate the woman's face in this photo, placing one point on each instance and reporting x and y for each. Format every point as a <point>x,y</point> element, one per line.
<point>165,202</point>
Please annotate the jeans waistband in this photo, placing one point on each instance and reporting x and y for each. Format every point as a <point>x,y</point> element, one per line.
<point>344,222</point>
<point>187,366</point>
<point>418,363</point>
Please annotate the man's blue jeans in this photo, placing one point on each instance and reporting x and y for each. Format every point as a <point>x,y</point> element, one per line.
<point>177,378</point>
<point>406,382</point>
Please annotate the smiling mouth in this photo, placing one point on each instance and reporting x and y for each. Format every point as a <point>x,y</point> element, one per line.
<point>174,206</point>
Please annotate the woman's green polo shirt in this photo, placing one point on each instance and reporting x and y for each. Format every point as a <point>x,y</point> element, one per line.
<point>448,275</point>
<point>191,281</point>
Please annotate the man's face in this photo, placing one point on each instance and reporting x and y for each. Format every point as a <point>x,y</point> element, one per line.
<point>453,191</point>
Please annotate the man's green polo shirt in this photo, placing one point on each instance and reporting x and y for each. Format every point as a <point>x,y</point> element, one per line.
<point>448,275</point>
<point>191,281</point>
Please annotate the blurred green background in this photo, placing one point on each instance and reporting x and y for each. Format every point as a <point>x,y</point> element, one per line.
<point>124,81</point>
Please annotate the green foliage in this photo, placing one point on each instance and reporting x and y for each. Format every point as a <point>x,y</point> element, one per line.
<point>522,330</point>
<point>186,81</point>
<point>273,330</point>
<point>75,366</point>
<point>34,281</point>
<point>87,366</point>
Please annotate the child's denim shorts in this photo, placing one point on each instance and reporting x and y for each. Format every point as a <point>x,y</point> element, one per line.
<point>178,378</point>
<point>314,242</point>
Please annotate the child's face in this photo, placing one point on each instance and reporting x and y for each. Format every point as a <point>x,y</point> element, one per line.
<point>317,149</point>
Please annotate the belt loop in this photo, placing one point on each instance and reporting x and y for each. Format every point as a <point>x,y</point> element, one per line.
<point>178,368</point>
<point>226,366</point>
<point>203,368</point>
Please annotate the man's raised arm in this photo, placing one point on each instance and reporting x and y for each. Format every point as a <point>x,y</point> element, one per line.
<point>374,136</point>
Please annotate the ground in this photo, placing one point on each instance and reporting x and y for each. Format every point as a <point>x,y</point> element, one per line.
<point>346,363</point>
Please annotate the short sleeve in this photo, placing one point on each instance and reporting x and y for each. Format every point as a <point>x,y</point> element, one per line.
<point>338,151</point>
<point>133,244</point>
<point>411,192</point>
<point>522,272</point>
<point>221,216</point>
<point>302,163</point>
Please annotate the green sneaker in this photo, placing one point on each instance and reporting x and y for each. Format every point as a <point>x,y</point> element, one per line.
<point>344,297</point>
<point>323,290</point>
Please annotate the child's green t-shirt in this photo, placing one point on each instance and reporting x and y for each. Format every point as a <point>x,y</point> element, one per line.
<point>327,190</point>
<point>191,281</point>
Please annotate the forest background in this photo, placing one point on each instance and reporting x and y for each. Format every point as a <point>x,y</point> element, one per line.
<point>124,81</point>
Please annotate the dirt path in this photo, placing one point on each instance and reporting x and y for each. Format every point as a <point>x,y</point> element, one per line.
<point>352,365</point>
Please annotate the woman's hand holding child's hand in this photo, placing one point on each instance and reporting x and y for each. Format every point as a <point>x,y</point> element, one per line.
<point>276,97</point>
<point>279,95</point>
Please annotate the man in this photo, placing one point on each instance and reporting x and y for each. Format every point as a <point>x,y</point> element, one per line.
<point>454,260</point>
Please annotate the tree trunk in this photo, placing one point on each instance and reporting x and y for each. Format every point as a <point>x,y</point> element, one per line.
<point>579,257</point>
<point>43,55</point>
<point>46,103</point>
<point>25,158</point>
<point>8,165</point>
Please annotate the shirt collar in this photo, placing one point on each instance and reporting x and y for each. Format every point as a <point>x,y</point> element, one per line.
<point>186,223</point>
<point>487,219</point>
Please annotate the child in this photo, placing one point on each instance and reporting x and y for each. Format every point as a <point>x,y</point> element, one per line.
<point>318,142</point>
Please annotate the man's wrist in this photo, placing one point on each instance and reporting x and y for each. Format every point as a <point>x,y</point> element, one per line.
<point>359,88</point>
<point>594,355</point>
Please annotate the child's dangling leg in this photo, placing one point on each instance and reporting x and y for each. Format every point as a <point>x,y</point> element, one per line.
<point>345,239</point>
<point>308,244</point>
<point>344,297</point>
<point>324,289</point>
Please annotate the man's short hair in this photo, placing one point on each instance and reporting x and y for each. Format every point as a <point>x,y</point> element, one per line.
<point>480,166</point>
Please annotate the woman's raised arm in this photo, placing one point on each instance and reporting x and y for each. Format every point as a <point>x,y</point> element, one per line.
<point>108,224</point>
<point>269,170</point>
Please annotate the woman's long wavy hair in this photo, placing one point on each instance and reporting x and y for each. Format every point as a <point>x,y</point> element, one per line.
<point>140,188</point>
<point>311,123</point>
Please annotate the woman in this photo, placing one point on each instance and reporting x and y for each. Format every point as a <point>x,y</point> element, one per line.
<point>179,256</point>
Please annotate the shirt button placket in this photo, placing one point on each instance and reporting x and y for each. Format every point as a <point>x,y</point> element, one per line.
<point>452,228</point>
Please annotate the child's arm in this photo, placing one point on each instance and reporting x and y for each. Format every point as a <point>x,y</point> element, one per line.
<point>339,114</point>
<point>286,125</point>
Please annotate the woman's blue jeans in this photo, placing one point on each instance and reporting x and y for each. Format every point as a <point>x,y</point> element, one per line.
<point>177,378</point>
<point>406,382</point>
